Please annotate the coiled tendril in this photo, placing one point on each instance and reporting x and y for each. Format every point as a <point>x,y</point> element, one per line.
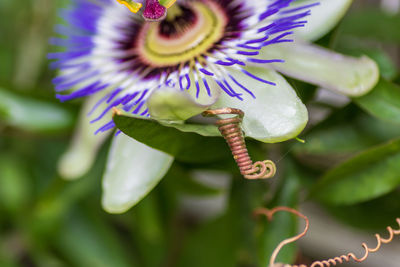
<point>329,262</point>
<point>232,132</point>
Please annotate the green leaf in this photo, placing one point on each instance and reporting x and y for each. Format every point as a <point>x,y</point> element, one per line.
<point>220,242</point>
<point>87,241</point>
<point>32,115</point>
<point>7,259</point>
<point>346,132</point>
<point>283,225</point>
<point>372,24</point>
<point>378,129</point>
<point>148,230</point>
<point>368,175</point>
<point>182,180</point>
<point>59,197</point>
<point>382,102</point>
<point>214,244</point>
<point>14,183</point>
<point>384,210</point>
<point>339,139</point>
<point>339,134</point>
<point>174,139</point>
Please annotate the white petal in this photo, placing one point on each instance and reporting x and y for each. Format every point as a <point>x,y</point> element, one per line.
<point>132,171</point>
<point>82,151</point>
<point>277,114</point>
<point>323,18</point>
<point>347,75</point>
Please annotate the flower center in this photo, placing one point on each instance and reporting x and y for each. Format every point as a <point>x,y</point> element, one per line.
<point>187,33</point>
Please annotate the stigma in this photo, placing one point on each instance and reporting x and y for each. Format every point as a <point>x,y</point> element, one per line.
<point>154,10</point>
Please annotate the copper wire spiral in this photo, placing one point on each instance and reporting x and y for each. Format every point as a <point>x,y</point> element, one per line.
<point>329,262</point>
<point>232,132</point>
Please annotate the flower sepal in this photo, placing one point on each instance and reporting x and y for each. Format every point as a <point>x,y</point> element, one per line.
<point>82,151</point>
<point>172,105</point>
<point>346,75</point>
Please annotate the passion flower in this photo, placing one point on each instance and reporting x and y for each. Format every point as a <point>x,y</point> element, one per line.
<point>204,53</point>
<point>203,47</point>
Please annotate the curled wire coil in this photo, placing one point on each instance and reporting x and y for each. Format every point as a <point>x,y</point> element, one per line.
<point>329,262</point>
<point>232,132</point>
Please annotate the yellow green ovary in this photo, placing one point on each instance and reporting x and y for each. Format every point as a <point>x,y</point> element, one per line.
<point>162,51</point>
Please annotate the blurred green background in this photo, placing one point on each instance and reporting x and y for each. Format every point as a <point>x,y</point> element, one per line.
<point>46,221</point>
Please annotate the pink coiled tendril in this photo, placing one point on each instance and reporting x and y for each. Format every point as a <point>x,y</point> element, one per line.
<point>269,213</point>
<point>230,129</point>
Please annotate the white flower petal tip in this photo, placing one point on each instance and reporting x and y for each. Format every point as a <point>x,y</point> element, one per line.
<point>323,18</point>
<point>346,75</point>
<point>132,171</point>
<point>275,115</point>
<point>170,104</point>
<point>82,152</point>
<point>75,162</point>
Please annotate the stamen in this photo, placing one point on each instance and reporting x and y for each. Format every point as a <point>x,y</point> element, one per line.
<point>167,3</point>
<point>132,6</point>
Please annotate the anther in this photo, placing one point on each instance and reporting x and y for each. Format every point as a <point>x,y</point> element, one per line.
<point>230,129</point>
<point>132,6</point>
